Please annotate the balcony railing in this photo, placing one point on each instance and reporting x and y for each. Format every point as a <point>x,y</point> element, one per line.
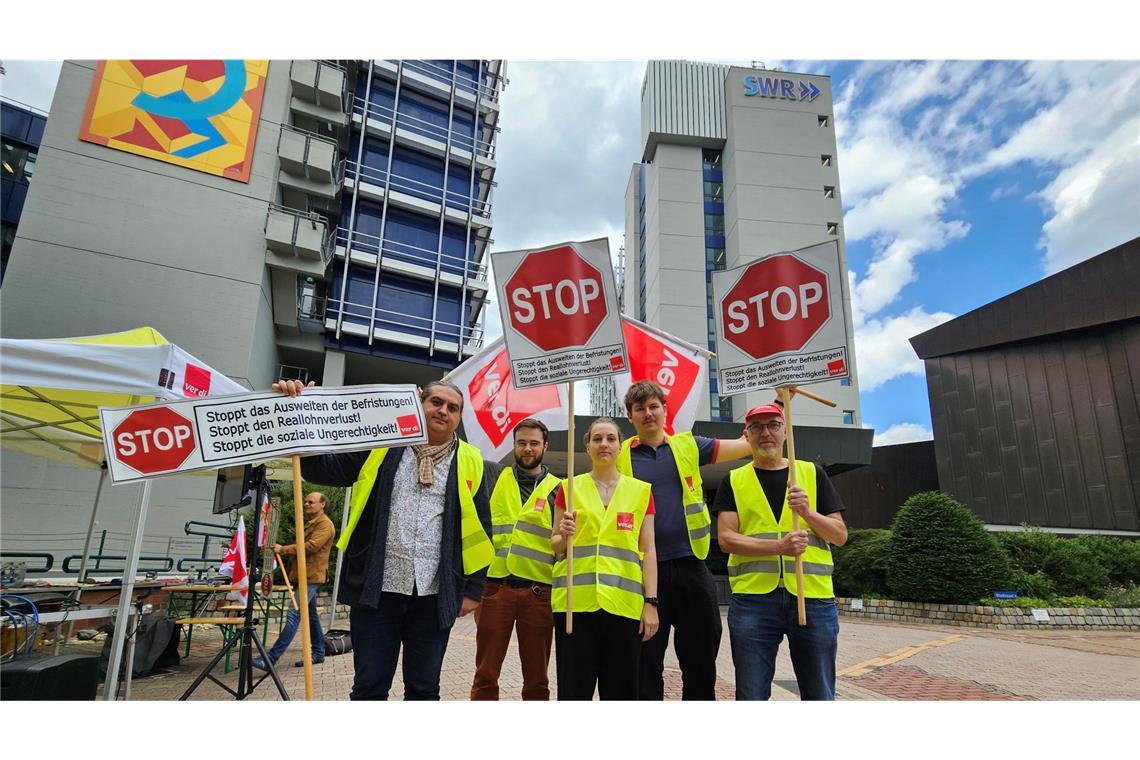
<point>292,231</point>
<point>307,76</point>
<point>412,254</point>
<point>412,325</point>
<point>310,305</point>
<point>415,125</point>
<point>289,372</point>
<point>463,82</point>
<point>417,189</point>
<point>307,154</point>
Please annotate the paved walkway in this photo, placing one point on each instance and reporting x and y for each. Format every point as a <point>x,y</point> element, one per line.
<point>876,661</point>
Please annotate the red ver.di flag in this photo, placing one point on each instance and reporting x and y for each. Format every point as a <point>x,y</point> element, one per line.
<point>234,564</point>
<point>679,367</point>
<point>493,405</point>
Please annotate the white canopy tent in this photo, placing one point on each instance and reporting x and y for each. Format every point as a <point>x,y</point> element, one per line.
<point>50,394</point>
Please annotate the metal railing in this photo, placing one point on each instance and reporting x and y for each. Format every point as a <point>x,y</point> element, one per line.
<point>412,325</point>
<point>72,562</point>
<point>422,127</point>
<point>288,372</point>
<point>317,78</point>
<point>463,82</point>
<point>417,189</point>
<point>311,306</point>
<point>411,254</point>
<point>47,557</point>
<point>305,217</point>
<point>334,165</point>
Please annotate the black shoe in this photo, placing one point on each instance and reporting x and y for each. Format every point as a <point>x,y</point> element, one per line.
<point>301,663</point>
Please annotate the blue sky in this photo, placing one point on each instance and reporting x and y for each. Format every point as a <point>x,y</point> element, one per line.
<point>962,181</point>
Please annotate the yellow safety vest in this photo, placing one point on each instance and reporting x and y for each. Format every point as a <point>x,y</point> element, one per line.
<point>748,574</point>
<point>607,557</point>
<point>476,546</point>
<point>521,532</point>
<point>687,456</point>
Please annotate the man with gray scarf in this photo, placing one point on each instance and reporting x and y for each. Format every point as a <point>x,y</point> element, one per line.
<point>403,575</point>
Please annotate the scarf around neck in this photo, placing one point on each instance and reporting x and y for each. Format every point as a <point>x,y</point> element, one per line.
<point>428,456</point>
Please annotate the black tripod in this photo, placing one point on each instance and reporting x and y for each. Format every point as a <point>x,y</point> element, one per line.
<point>246,637</point>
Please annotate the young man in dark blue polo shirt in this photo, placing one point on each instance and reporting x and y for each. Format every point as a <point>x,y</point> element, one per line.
<point>683,527</point>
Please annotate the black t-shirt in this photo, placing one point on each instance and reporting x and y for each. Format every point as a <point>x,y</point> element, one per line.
<point>775,485</point>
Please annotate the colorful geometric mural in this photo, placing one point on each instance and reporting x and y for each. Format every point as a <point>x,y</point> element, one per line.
<point>198,114</point>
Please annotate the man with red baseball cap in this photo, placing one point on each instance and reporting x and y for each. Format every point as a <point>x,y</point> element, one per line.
<point>754,506</point>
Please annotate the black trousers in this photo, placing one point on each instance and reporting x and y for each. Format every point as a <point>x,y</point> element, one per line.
<point>688,605</point>
<point>603,651</point>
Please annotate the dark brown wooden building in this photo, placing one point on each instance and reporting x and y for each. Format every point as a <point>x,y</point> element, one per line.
<point>1035,399</point>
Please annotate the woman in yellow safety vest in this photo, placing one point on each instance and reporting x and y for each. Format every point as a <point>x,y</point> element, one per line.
<point>614,590</point>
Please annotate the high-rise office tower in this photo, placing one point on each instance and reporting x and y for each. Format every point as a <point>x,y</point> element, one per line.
<point>737,163</point>
<point>324,220</point>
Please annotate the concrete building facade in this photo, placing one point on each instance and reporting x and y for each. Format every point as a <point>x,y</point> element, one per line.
<point>736,164</point>
<point>355,253</point>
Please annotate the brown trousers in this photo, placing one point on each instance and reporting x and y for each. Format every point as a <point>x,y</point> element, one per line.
<point>526,610</point>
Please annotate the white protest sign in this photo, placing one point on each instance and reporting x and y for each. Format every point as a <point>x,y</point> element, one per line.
<point>561,320</point>
<point>209,433</point>
<point>780,321</point>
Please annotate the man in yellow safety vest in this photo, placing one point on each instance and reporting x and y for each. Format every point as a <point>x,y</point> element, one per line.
<point>416,546</point>
<point>755,507</point>
<point>517,596</point>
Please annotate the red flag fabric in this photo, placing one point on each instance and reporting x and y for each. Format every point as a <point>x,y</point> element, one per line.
<point>234,563</point>
<point>493,405</point>
<point>679,367</point>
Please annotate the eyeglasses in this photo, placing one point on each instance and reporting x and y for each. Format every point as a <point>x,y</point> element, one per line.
<point>774,426</point>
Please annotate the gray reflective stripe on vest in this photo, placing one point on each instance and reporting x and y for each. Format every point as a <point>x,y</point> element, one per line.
<point>815,541</point>
<point>760,566</point>
<point>622,554</point>
<point>534,530</point>
<point>816,568</point>
<point>695,508</point>
<point>588,550</point>
<point>698,533</point>
<point>625,584</point>
<point>498,530</point>
<point>502,551</point>
<point>526,553</point>
<point>585,579</point>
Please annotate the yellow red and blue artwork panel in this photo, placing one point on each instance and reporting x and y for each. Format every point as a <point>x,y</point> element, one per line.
<point>202,115</point>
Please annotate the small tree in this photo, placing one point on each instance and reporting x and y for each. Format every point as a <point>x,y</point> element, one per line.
<point>940,552</point>
<point>861,563</point>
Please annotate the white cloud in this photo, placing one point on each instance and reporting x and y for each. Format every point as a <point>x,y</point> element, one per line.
<point>904,432</point>
<point>882,347</point>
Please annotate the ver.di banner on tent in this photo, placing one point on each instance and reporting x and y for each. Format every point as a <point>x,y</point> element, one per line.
<point>493,405</point>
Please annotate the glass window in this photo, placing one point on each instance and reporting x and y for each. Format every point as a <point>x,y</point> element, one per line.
<point>828,191</point>
<point>824,120</point>
<point>19,163</point>
<point>825,160</point>
<point>848,417</point>
<point>832,228</point>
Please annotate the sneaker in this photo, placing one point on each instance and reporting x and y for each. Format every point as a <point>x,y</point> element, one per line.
<point>259,663</point>
<point>301,663</point>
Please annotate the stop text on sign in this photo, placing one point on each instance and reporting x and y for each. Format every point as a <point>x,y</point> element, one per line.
<point>569,297</point>
<point>782,303</point>
<point>144,441</point>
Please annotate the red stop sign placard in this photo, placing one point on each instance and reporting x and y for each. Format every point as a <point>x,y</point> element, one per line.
<point>777,305</point>
<point>555,299</point>
<point>153,440</point>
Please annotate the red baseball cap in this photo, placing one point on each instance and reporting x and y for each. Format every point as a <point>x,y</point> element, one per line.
<point>763,409</point>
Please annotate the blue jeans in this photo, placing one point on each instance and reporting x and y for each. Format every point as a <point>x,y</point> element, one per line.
<point>377,635</point>
<point>757,624</point>
<point>293,622</point>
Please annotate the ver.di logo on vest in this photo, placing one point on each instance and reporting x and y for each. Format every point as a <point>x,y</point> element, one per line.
<point>785,89</point>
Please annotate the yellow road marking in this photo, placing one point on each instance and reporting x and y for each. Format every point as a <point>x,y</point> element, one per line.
<point>867,666</point>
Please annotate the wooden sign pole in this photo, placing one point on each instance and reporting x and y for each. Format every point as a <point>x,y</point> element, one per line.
<point>786,398</point>
<point>570,508</point>
<point>288,585</point>
<point>302,580</point>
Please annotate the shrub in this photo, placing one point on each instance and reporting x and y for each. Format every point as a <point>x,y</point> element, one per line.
<point>860,564</point>
<point>1032,584</point>
<point>1029,549</point>
<point>1074,568</point>
<point>940,552</point>
<point>1119,557</point>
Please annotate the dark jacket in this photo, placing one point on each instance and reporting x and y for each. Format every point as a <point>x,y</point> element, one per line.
<point>363,567</point>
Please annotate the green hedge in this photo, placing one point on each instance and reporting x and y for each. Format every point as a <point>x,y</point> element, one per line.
<point>861,564</point>
<point>940,552</point>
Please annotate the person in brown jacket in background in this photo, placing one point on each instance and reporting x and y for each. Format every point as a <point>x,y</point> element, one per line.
<point>319,533</point>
